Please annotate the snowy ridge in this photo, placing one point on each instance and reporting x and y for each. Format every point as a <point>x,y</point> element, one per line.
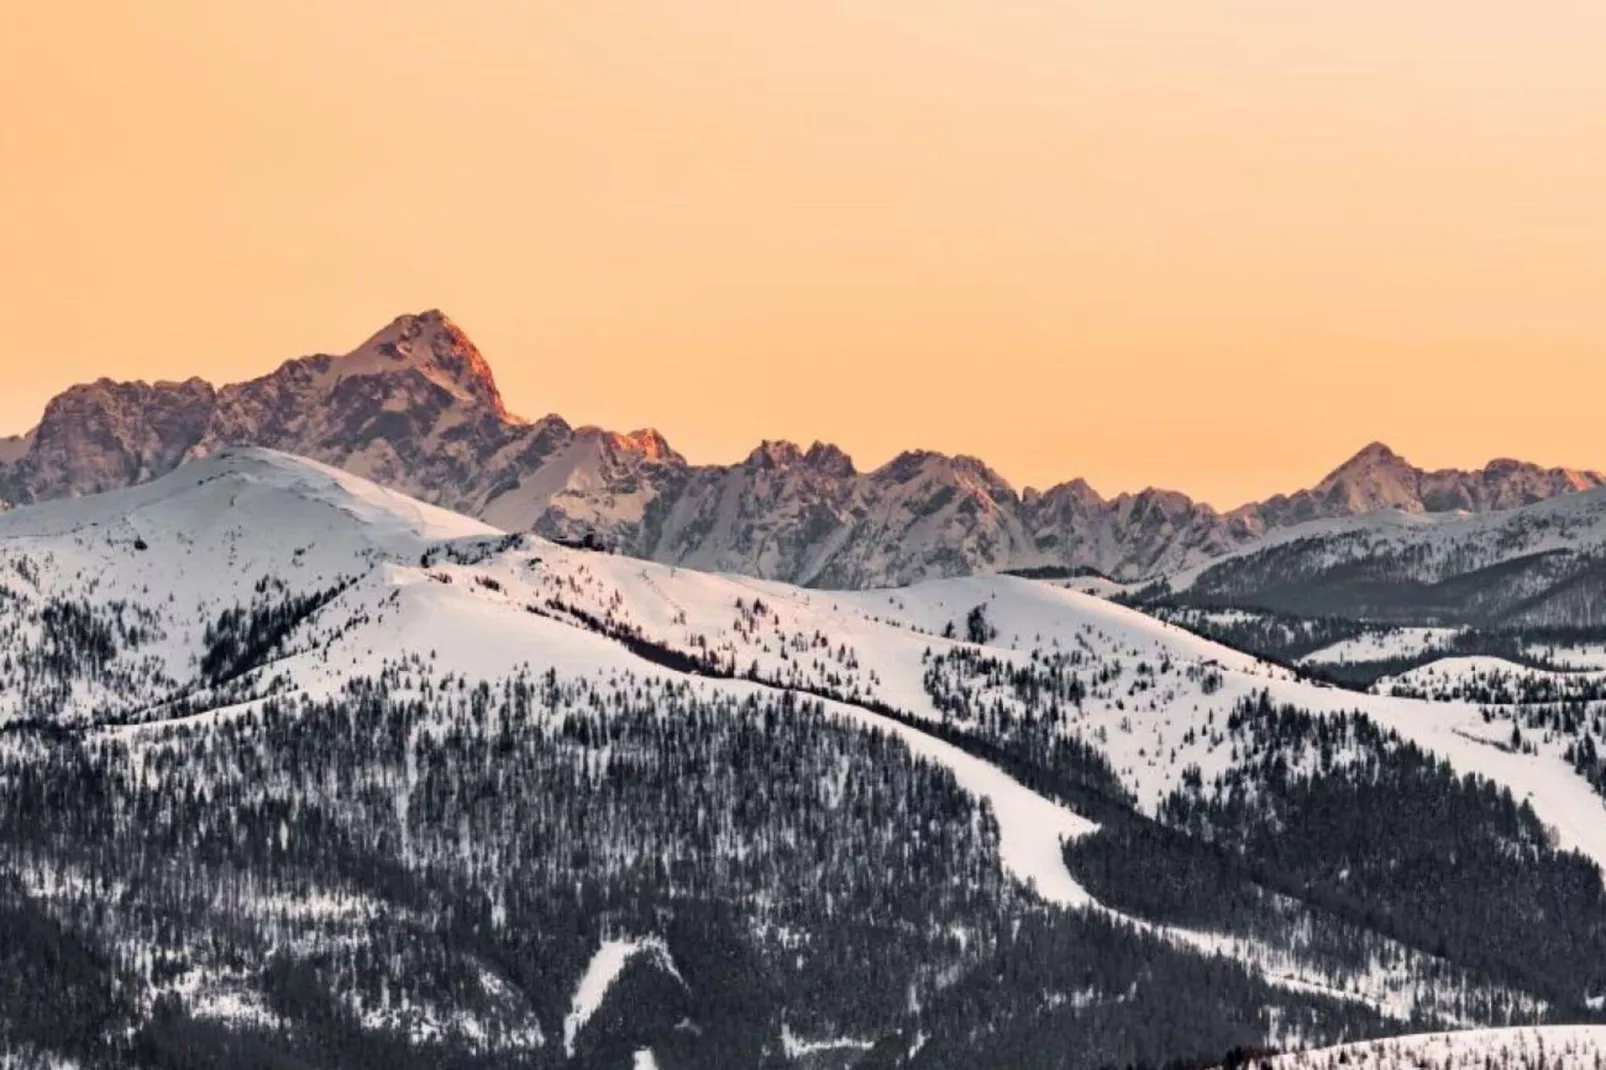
<point>382,514</point>
<point>162,561</point>
<point>1535,566</point>
<point>1453,678</point>
<point>486,633</point>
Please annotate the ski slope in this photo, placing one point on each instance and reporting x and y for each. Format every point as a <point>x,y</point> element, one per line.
<point>604,969</point>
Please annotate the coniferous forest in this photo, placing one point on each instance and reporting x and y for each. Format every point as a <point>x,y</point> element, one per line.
<point>415,873</point>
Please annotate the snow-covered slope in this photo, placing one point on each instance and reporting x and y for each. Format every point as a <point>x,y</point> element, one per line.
<point>1554,1048</point>
<point>121,590</point>
<point>1381,645</point>
<point>380,576</point>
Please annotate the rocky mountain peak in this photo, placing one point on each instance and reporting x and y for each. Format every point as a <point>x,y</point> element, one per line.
<point>103,435</point>
<point>1075,493</point>
<point>1372,461</point>
<point>931,465</point>
<point>650,446</point>
<point>774,454</point>
<point>1376,452</point>
<point>1512,468</point>
<point>830,460</point>
<point>432,345</point>
<point>1375,478</point>
<point>821,458</point>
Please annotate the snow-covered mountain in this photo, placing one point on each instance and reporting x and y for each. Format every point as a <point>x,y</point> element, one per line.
<point>294,765</point>
<point>1541,565</point>
<point>416,408</point>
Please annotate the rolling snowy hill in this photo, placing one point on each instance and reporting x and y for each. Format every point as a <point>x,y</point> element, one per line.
<point>298,766</point>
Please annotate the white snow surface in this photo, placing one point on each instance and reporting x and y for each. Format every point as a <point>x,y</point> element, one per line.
<point>604,969</point>
<point>257,482</point>
<point>1380,645</point>
<point>796,1047</point>
<point>1586,656</point>
<point>1451,676</point>
<point>1543,1048</point>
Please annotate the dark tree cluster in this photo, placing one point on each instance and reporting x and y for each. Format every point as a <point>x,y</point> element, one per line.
<point>243,637</point>
<point>1350,817</point>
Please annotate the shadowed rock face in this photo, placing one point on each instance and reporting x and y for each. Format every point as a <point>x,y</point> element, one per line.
<point>104,435</point>
<point>416,407</point>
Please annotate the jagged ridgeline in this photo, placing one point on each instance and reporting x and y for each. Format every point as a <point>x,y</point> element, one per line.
<point>416,408</point>
<point>298,772</point>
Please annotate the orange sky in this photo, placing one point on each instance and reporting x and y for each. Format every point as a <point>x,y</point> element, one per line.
<point>1208,244</point>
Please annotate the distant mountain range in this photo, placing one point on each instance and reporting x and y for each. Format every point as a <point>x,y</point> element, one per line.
<point>416,408</point>
<point>1539,566</point>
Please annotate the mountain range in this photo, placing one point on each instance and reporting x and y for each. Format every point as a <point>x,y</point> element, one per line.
<point>1539,566</point>
<point>416,408</point>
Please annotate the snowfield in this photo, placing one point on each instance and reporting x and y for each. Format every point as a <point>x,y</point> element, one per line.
<point>1551,1048</point>
<point>1451,678</point>
<point>1381,645</point>
<point>604,969</point>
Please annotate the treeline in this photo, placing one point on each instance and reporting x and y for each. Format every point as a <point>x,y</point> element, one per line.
<point>54,648</point>
<point>1272,636</point>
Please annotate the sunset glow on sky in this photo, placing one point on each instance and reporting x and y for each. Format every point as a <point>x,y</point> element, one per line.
<point>1215,245</point>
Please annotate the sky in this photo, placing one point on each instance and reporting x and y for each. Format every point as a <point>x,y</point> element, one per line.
<point>1214,245</point>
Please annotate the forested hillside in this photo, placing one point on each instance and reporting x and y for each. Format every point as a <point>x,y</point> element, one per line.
<point>298,773</point>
